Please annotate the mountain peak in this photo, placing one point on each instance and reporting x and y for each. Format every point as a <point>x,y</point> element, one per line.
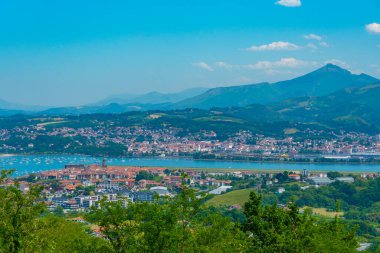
<point>329,67</point>
<point>323,81</point>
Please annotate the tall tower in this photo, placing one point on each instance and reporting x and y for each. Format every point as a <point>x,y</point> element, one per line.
<point>305,173</point>
<point>104,162</point>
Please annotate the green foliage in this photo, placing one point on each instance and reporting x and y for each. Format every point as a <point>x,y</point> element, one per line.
<point>273,229</point>
<point>67,237</point>
<point>18,212</point>
<point>144,175</point>
<point>282,177</point>
<point>85,190</point>
<point>237,197</point>
<point>347,194</point>
<point>23,230</point>
<point>333,174</point>
<point>166,225</point>
<point>360,201</point>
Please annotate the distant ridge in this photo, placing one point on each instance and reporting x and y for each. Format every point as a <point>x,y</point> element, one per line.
<point>10,106</point>
<point>322,81</point>
<point>357,108</point>
<point>151,97</point>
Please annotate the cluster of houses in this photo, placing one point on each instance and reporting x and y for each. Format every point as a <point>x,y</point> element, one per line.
<point>80,187</point>
<point>142,141</point>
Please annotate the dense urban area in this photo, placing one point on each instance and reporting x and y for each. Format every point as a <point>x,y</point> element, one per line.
<point>137,141</point>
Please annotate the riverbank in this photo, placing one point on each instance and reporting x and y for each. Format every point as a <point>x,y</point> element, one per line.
<point>275,161</point>
<point>35,163</point>
<point>7,155</point>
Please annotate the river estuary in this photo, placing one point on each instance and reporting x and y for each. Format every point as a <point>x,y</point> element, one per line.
<point>27,164</point>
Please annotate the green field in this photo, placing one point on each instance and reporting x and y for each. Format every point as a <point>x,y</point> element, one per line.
<point>231,198</point>
<point>52,123</point>
<point>220,119</point>
<point>325,213</point>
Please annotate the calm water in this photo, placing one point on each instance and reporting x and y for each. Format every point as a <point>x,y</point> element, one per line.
<point>27,164</point>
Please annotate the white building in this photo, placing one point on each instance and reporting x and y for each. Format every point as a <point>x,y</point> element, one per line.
<point>345,179</point>
<point>160,190</point>
<point>220,190</point>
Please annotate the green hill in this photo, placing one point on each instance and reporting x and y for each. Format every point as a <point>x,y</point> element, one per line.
<point>320,82</point>
<point>350,108</point>
<point>238,197</point>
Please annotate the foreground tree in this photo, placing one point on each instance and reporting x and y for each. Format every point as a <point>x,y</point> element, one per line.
<point>274,229</point>
<point>24,229</point>
<point>18,213</point>
<point>167,225</point>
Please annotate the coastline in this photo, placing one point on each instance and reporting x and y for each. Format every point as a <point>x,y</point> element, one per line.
<point>7,155</point>
<point>28,163</point>
<point>332,162</point>
<point>225,170</point>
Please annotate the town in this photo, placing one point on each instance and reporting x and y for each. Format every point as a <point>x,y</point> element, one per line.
<point>139,141</point>
<point>78,188</point>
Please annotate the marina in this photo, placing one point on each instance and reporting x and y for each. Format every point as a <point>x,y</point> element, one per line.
<point>36,163</point>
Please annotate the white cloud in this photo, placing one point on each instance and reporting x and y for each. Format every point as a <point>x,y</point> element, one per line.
<point>338,63</point>
<point>373,28</point>
<point>373,65</point>
<point>243,79</point>
<point>203,65</point>
<point>282,63</point>
<point>313,36</point>
<point>289,3</point>
<point>224,65</point>
<point>279,45</point>
<point>274,72</point>
<point>312,46</point>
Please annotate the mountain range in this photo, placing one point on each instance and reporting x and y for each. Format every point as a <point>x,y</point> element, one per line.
<point>321,82</point>
<point>329,87</point>
<point>151,97</point>
<point>354,108</point>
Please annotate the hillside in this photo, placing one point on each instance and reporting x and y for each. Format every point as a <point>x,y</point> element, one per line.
<point>350,108</point>
<point>330,96</point>
<point>237,197</point>
<point>151,97</point>
<point>323,81</point>
<point>9,108</point>
<point>261,93</point>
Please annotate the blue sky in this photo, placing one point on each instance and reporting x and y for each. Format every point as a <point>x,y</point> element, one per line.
<point>75,52</point>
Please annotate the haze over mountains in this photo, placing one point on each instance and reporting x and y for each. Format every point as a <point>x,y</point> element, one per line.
<point>321,82</point>
<point>354,108</point>
<point>151,97</point>
<point>9,108</point>
<point>330,79</point>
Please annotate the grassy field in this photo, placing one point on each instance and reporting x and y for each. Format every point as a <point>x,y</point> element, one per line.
<point>231,198</point>
<point>325,213</point>
<point>51,123</point>
<point>220,118</point>
<point>291,130</point>
<point>239,197</point>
